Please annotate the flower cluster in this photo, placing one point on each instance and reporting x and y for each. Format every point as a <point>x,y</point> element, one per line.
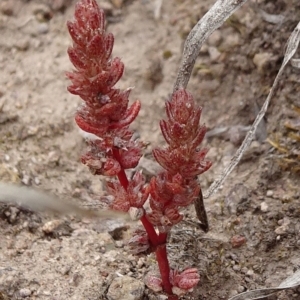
<point>184,135</point>
<point>105,112</point>
<point>182,160</point>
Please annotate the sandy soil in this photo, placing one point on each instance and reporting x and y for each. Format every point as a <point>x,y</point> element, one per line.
<point>50,257</point>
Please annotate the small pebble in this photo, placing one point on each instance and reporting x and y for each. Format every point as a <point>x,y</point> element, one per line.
<point>32,130</point>
<point>60,5</point>
<point>12,214</point>
<point>24,292</point>
<point>43,28</point>
<point>204,49</point>
<point>126,288</point>
<point>50,226</point>
<point>264,207</point>
<point>40,8</point>
<point>270,193</point>
<point>26,179</point>
<point>230,41</point>
<point>117,3</point>
<point>7,8</point>
<point>119,244</point>
<point>141,262</point>
<point>110,256</point>
<point>42,12</point>
<point>233,293</point>
<point>214,53</point>
<point>236,268</point>
<point>108,8</point>
<point>22,44</point>
<point>37,181</point>
<point>237,241</point>
<point>46,293</point>
<point>262,60</point>
<point>241,289</point>
<point>162,297</point>
<point>285,222</point>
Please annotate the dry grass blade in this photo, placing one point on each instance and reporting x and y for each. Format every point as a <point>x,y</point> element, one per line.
<point>212,20</point>
<point>277,146</point>
<point>39,201</point>
<point>292,46</point>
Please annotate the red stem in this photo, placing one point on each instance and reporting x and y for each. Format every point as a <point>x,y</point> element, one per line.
<point>164,267</point>
<point>152,235</point>
<point>162,238</point>
<point>123,179</point>
<point>157,241</point>
<point>122,175</point>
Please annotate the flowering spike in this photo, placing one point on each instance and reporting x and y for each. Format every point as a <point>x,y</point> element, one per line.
<point>106,112</point>
<point>183,137</point>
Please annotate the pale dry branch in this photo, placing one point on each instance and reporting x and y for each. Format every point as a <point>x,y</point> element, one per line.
<point>212,20</point>
<point>39,201</point>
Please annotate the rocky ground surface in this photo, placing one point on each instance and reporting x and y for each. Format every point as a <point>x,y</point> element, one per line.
<point>44,256</point>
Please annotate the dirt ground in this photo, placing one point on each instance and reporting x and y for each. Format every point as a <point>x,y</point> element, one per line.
<point>45,256</point>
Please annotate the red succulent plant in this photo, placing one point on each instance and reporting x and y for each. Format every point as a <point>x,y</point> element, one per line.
<point>106,114</point>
